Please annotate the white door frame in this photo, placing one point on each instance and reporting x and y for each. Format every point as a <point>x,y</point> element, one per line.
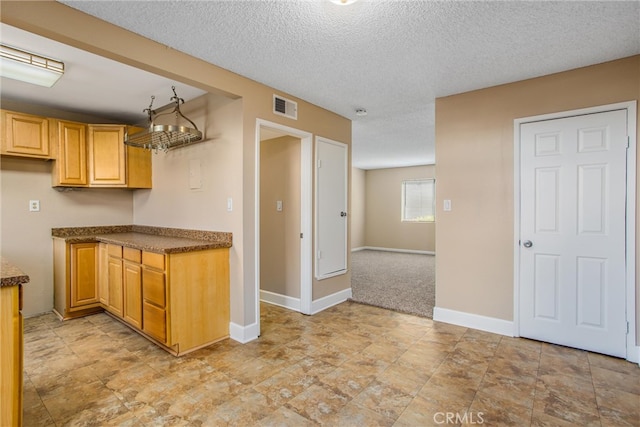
<point>633,351</point>
<point>306,214</point>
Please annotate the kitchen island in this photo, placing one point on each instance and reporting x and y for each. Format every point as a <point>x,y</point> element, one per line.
<point>11,343</point>
<point>170,285</point>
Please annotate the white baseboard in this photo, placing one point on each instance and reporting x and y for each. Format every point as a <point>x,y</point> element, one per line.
<point>330,300</point>
<point>280,300</point>
<point>474,321</point>
<point>406,251</point>
<point>243,334</point>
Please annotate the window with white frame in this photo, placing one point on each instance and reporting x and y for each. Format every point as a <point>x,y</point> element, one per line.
<point>418,200</point>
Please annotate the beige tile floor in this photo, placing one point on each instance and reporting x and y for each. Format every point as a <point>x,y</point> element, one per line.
<point>351,365</point>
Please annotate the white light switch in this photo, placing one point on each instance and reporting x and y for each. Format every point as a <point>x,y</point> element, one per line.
<point>34,205</point>
<point>279,205</point>
<point>229,204</point>
<point>447,205</point>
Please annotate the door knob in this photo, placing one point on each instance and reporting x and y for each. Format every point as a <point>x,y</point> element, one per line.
<point>343,214</point>
<point>527,243</point>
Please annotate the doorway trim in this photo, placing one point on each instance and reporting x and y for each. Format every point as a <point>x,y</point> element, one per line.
<point>633,351</point>
<point>306,213</point>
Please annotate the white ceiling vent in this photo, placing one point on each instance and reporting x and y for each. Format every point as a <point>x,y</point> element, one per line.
<point>285,107</point>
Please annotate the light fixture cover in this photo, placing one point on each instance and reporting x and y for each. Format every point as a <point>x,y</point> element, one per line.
<point>28,67</point>
<point>343,2</point>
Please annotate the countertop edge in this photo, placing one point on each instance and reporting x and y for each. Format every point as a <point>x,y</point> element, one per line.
<point>182,244</point>
<point>12,275</point>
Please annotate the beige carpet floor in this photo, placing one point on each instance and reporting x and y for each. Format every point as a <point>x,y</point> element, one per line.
<point>396,281</point>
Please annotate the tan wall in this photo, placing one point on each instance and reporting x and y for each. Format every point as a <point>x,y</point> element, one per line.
<point>280,230</point>
<point>358,200</point>
<point>64,24</point>
<point>384,228</point>
<point>172,203</point>
<point>475,167</point>
<point>25,237</point>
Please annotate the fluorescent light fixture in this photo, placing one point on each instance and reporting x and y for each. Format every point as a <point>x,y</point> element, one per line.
<point>343,2</point>
<point>29,67</point>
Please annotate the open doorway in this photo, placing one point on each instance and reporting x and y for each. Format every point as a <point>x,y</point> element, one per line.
<point>283,217</point>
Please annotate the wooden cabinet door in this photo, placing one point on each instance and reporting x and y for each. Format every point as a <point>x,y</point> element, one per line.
<point>107,155</point>
<point>153,285</point>
<point>138,164</point>
<point>133,293</point>
<point>103,274</point>
<point>84,275</point>
<point>25,135</point>
<point>155,322</point>
<point>154,296</point>
<point>116,300</point>
<point>71,164</point>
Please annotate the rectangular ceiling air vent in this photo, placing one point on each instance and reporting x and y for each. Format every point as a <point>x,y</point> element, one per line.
<point>285,107</point>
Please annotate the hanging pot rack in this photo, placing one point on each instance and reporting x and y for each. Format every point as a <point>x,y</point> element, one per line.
<point>164,137</point>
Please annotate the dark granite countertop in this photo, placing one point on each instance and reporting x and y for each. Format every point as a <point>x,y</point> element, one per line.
<point>11,275</point>
<point>151,239</point>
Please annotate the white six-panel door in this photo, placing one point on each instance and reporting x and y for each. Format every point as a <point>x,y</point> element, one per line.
<point>572,231</point>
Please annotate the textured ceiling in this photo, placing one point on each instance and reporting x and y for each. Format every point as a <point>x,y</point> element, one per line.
<point>391,57</point>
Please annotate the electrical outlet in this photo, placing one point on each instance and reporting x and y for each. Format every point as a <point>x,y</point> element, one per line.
<point>34,205</point>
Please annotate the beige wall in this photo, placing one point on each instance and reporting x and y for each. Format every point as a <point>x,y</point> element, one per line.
<point>357,217</point>
<point>280,230</point>
<point>475,167</point>
<point>384,228</point>
<point>26,236</point>
<point>61,23</point>
<point>172,203</point>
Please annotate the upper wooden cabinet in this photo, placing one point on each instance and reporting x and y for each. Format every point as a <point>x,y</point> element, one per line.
<point>95,156</point>
<point>107,155</point>
<point>86,155</point>
<point>71,166</point>
<point>25,135</point>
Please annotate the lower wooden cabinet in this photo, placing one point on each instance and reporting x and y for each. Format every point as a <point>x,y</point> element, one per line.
<point>115,281</point>
<point>132,283</point>
<point>11,355</point>
<point>75,278</point>
<point>184,299</point>
<point>154,292</point>
<point>178,300</point>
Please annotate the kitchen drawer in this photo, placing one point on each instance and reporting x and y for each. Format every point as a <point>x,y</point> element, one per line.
<point>154,260</point>
<point>131,254</point>
<point>114,250</point>
<point>153,287</point>
<point>154,322</point>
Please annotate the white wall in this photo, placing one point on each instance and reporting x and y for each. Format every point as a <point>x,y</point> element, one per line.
<point>26,236</point>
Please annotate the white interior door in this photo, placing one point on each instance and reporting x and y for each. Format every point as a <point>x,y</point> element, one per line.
<point>331,208</point>
<point>572,231</point>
